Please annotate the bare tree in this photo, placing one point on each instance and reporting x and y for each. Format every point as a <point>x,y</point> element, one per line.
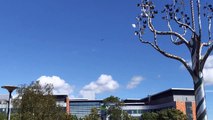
<point>184,20</point>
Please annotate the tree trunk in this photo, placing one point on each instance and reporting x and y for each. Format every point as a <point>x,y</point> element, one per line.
<point>200,99</point>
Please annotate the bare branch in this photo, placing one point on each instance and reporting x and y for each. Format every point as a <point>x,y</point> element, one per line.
<point>209,27</point>
<point>199,17</point>
<point>185,25</point>
<point>178,20</point>
<point>177,41</point>
<point>206,44</point>
<point>192,14</point>
<point>175,57</point>
<point>156,47</point>
<point>174,34</point>
<point>206,55</point>
<point>208,13</point>
<point>151,27</point>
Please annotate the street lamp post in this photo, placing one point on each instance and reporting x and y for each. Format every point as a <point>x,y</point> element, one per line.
<point>10,89</point>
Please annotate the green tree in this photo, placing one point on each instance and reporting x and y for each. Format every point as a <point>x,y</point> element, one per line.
<point>36,102</point>
<point>93,115</point>
<point>166,114</point>
<point>2,116</point>
<point>150,116</point>
<point>114,113</point>
<point>71,117</point>
<point>112,99</point>
<point>171,114</point>
<point>126,116</point>
<point>112,106</point>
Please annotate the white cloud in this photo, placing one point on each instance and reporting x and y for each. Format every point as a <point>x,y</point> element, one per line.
<point>103,84</point>
<point>136,80</point>
<point>88,94</point>
<point>209,62</point>
<point>60,85</point>
<point>208,71</point>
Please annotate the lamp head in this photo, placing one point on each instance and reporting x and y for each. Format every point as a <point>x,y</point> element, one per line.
<point>9,88</point>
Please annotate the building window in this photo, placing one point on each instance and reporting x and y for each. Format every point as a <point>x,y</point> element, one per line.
<point>189,112</point>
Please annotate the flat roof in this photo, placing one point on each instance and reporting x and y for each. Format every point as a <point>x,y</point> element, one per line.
<point>132,100</point>
<point>165,93</point>
<point>84,100</point>
<point>170,92</point>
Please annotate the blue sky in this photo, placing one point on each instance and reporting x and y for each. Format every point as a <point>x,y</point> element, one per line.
<point>82,46</point>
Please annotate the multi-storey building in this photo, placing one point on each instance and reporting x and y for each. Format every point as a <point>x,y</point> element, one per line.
<point>82,107</point>
<point>63,101</point>
<point>178,98</point>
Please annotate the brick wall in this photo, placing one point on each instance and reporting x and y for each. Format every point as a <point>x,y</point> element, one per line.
<point>194,110</point>
<point>67,105</point>
<point>181,106</point>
